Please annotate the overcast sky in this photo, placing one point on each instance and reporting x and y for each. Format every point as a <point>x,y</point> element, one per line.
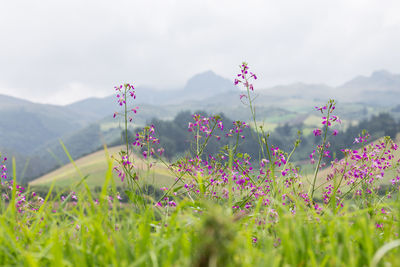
<point>60,51</point>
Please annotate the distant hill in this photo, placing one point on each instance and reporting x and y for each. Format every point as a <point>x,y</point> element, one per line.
<point>10,102</point>
<point>95,107</point>
<point>25,125</point>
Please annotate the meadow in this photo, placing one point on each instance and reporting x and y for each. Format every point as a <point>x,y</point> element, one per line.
<point>222,209</point>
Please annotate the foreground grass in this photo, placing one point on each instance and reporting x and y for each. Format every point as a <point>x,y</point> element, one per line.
<point>194,234</point>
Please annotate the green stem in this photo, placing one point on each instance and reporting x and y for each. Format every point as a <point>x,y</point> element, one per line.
<point>130,184</point>
<point>253,114</point>
<point>321,153</point>
<point>206,141</point>
<point>197,139</point>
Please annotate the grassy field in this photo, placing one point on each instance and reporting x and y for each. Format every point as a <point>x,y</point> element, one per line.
<point>195,233</point>
<point>94,166</point>
<point>194,229</point>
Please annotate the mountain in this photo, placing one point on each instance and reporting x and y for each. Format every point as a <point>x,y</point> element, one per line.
<point>199,87</point>
<point>380,81</point>
<point>207,84</point>
<point>381,88</point>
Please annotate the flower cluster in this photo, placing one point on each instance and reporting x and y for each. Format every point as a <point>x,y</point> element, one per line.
<point>238,127</point>
<point>214,174</point>
<point>125,164</point>
<point>23,202</point>
<point>121,173</point>
<point>205,125</point>
<point>147,141</point>
<point>327,119</point>
<point>361,170</point>
<point>245,76</point>
<point>3,168</point>
<point>361,139</point>
<point>123,93</point>
<point>323,152</point>
<point>279,156</point>
<point>239,181</point>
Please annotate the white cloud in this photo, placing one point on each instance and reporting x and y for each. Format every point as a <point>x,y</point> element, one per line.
<point>51,47</point>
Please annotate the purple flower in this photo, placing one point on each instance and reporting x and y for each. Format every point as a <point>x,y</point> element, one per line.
<point>125,160</point>
<point>317,132</point>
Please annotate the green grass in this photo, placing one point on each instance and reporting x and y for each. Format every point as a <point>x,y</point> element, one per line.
<point>194,234</point>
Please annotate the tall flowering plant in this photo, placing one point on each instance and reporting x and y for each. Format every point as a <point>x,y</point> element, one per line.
<point>246,79</point>
<point>125,166</point>
<point>277,180</point>
<point>145,140</point>
<point>322,151</point>
<point>270,182</point>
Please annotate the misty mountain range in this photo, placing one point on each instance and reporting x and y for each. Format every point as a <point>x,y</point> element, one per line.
<point>30,131</point>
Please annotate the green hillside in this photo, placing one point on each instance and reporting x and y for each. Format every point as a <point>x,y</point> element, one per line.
<point>95,166</point>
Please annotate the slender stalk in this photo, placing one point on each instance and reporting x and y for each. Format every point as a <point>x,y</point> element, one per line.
<point>253,114</point>
<point>321,152</point>
<point>206,141</point>
<point>126,122</point>
<point>236,145</point>
<point>197,139</point>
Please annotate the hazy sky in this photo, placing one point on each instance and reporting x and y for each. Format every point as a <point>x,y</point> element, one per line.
<point>59,51</point>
